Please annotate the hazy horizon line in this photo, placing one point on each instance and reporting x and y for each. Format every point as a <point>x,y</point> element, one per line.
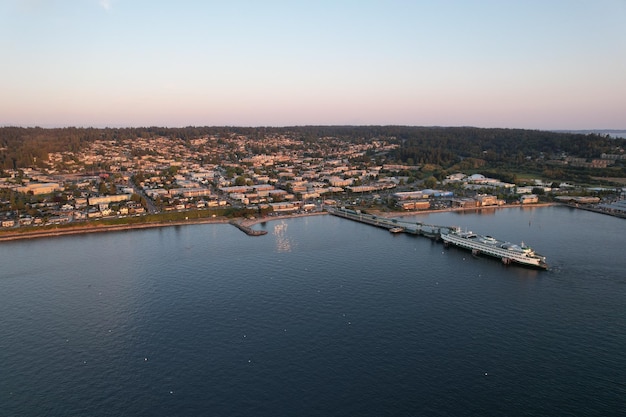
<point>36,126</point>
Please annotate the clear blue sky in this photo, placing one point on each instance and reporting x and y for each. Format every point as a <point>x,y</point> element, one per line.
<point>540,64</point>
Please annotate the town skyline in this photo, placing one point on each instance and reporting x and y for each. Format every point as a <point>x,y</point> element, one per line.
<point>114,63</point>
<point>71,176</point>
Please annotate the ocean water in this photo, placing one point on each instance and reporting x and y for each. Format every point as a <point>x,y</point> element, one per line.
<point>322,316</point>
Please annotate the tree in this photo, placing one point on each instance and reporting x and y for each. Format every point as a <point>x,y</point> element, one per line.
<point>102,188</point>
<point>430,182</point>
<point>139,177</point>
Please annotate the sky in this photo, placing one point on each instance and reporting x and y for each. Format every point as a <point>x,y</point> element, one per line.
<point>535,64</point>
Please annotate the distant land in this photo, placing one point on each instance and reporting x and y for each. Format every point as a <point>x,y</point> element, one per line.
<point>616,133</point>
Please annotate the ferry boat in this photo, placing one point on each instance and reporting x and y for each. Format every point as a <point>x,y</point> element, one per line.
<point>507,252</point>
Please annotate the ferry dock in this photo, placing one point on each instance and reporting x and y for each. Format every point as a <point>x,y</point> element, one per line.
<point>393,225</point>
<point>451,236</point>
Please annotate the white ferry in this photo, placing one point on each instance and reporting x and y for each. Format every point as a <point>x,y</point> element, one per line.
<point>488,245</point>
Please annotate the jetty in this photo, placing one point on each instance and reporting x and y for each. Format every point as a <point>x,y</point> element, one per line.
<point>247,230</point>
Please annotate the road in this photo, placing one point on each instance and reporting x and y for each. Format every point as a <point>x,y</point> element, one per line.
<point>152,209</point>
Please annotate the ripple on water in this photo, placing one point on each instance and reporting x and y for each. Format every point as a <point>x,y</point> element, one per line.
<point>321,316</point>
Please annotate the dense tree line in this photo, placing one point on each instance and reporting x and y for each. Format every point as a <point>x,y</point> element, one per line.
<point>445,146</point>
<point>24,147</point>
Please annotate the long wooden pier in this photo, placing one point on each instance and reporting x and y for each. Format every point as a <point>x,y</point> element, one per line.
<point>416,228</point>
<point>431,231</point>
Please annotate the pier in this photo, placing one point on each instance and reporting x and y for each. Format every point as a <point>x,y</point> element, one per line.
<point>393,225</point>
<point>478,244</point>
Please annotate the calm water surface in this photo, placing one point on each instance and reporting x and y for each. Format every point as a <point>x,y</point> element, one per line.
<point>322,316</point>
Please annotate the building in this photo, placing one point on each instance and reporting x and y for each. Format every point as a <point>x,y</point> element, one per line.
<point>578,199</point>
<point>455,177</point>
<point>524,190</point>
<point>8,223</point>
<point>190,192</point>
<point>463,203</point>
<point>437,193</point>
<point>408,195</point>
<point>529,199</point>
<point>286,206</point>
<point>340,182</point>
<point>38,188</point>
<point>414,205</point>
<point>107,199</point>
<point>486,200</point>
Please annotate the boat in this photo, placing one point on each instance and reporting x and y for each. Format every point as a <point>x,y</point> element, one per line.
<point>396,229</point>
<point>488,245</point>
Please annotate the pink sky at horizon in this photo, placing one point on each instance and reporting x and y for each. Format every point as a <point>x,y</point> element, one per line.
<point>138,63</point>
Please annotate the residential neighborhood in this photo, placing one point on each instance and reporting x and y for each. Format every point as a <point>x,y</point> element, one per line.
<point>279,173</point>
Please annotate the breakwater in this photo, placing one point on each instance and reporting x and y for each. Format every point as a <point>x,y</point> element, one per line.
<point>247,230</point>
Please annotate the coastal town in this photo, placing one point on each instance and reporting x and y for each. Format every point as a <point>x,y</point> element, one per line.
<point>218,176</point>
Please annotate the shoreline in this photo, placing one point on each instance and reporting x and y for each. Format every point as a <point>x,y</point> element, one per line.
<point>87,229</point>
<point>447,210</point>
<point>252,222</point>
<point>79,230</point>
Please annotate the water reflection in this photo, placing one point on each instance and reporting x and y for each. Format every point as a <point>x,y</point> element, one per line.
<point>484,211</point>
<point>283,242</point>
